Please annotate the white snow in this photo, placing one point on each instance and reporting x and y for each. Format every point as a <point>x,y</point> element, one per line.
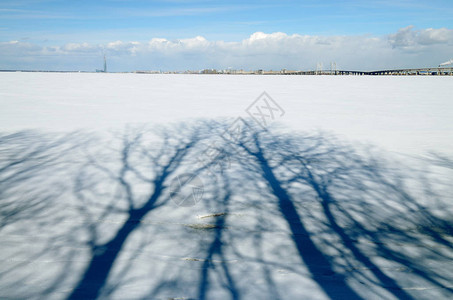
<point>80,153</point>
<point>403,114</point>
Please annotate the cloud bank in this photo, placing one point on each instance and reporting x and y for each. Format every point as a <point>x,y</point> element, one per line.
<point>408,47</point>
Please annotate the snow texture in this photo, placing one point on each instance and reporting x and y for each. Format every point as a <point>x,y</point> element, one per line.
<point>346,194</point>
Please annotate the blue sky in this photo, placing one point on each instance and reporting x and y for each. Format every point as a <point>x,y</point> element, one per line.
<point>100,21</point>
<point>58,22</point>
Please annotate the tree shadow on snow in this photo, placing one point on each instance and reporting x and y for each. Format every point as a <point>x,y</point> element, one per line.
<point>283,215</point>
<point>351,217</point>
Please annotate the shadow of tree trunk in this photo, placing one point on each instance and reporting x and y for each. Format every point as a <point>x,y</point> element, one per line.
<point>103,256</point>
<point>215,250</point>
<point>326,202</point>
<point>316,261</point>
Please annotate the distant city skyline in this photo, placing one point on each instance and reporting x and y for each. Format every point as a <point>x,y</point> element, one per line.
<point>181,34</point>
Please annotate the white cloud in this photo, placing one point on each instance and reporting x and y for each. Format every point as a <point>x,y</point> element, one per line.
<point>407,47</point>
<point>17,48</point>
<point>74,47</point>
<point>435,36</point>
<point>408,37</point>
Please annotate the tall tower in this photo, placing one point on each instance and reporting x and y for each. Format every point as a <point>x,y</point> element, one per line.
<point>105,65</point>
<point>319,67</point>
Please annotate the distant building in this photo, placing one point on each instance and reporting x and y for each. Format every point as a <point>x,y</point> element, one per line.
<point>105,67</point>
<point>209,71</point>
<point>147,72</point>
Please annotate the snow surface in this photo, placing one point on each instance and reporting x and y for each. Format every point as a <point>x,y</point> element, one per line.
<point>403,114</point>
<point>348,195</point>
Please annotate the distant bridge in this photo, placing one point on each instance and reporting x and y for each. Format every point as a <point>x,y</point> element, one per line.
<point>420,71</point>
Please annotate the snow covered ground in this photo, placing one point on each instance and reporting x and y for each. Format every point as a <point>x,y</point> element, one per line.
<point>403,114</point>
<point>346,193</point>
